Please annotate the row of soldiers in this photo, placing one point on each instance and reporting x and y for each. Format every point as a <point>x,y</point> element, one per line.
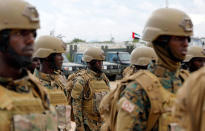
<point>160,95</point>
<point>145,99</point>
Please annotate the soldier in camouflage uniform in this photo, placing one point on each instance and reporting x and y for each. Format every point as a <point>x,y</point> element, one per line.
<point>140,58</point>
<point>49,50</point>
<point>89,88</point>
<point>190,103</point>
<point>195,58</point>
<point>148,98</point>
<point>24,104</point>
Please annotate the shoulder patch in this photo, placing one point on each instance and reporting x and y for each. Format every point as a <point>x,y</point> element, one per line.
<point>128,106</point>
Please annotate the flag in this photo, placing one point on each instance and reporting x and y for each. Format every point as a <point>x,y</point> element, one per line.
<point>135,35</point>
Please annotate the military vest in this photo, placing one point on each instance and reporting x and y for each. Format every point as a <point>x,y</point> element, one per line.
<point>98,89</point>
<point>25,110</point>
<point>55,87</point>
<point>161,100</point>
<point>160,104</point>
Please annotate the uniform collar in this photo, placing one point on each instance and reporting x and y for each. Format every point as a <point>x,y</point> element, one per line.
<point>46,77</point>
<point>19,85</point>
<point>161,71</point>
<point>98,75</point>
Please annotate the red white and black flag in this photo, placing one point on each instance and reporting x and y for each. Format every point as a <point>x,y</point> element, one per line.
<point>135,35</point>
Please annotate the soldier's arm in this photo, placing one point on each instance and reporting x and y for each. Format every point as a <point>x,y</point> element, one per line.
<point>133,109</point>
<point>77,101</point>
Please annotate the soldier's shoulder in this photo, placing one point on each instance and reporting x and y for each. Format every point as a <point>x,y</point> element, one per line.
<point>195,80</point>
<point>38,90</point>
<point>80,79</point>
<point>133,89</point>
<point>5,101</point>
<point>138,83</point>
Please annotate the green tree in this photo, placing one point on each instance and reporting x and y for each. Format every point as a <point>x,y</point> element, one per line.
<point>76,40</point>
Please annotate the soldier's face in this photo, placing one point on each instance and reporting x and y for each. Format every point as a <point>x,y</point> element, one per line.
<point>36,63</point>
<point>58,60</point>
<point>178,46</point>
<point>20,47</point>
<point>99,64</point>
<point>22,42</point>
<point>197,63</point>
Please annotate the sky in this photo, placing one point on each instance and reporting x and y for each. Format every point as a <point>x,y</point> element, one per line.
<point>100,20</point>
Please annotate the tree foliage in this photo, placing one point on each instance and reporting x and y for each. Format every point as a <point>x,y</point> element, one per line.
<point>77,40</point>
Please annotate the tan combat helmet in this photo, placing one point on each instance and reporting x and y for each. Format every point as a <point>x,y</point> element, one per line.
<point>167,21</point>
<point>46,45</point>
<point>18,14</point>
<point>93,53</point>
<point>142,56</point>
<point>193,52</point>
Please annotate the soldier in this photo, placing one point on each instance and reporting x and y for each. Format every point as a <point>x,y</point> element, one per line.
<point>24,104</point>
<point>195,58</point>
<point>35,64</point>
<point>49,50</point>
<point>89,88</point>
<point>140,58</point>
<point>148,98</point>
<point>190,103</point>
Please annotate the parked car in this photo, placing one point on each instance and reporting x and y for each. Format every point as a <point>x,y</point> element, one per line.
<point>70,67</point>
<point>121,58</point>
<point>110,69</point>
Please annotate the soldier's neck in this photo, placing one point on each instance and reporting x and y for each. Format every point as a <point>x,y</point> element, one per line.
<point>9,71</point>
<point>46,69</point>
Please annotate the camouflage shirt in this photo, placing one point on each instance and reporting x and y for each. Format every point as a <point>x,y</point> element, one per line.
<point>128,71</point>
<point>52,81</point>
<point>137,121</point>
<point>84,102</point>
<point>56,85</point>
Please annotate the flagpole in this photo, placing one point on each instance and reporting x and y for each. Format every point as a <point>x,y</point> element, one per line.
<point>167,3</point>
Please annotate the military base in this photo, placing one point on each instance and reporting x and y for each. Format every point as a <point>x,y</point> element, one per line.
<point>152,82</point>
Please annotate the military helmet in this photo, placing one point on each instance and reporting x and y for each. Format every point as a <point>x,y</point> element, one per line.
<point>46,45</point>
<point>193,52</point>
<point>142,56</point>
<point>18,14</point>
<point>93,53</point>
<point>167,21</point>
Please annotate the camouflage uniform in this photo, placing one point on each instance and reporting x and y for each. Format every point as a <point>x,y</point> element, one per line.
<point>136,95</point>
<point>86,96</point>
<point>50,47</point>
<point>51,81</point>
<point>128,71</point>
<point>56,86</point>
<point>23,103</point>
<point>147,101</point>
